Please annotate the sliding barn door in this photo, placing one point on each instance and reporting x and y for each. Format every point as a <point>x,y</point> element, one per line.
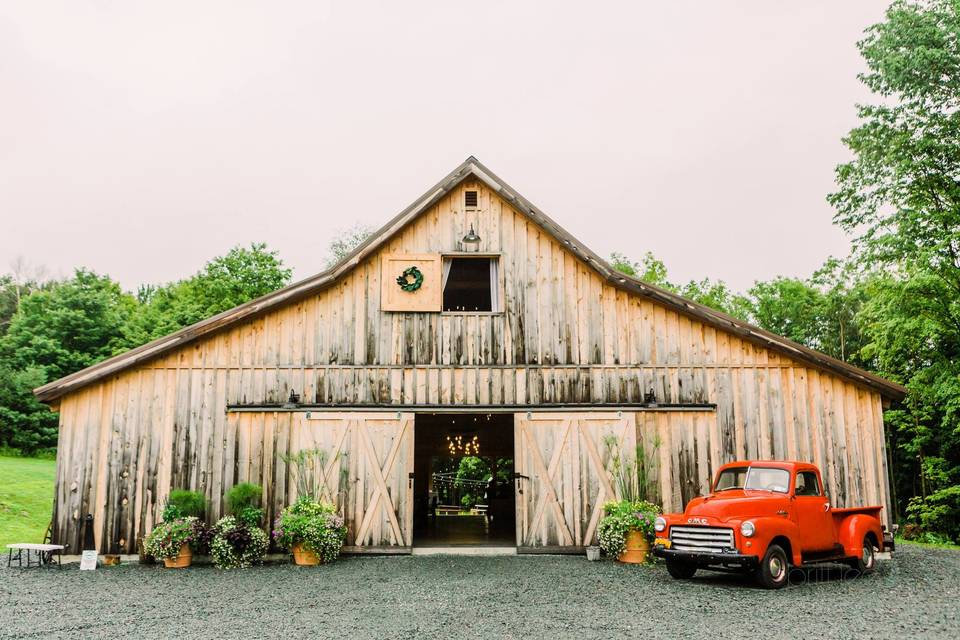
<point>374,453</point>
<point>561,462</point>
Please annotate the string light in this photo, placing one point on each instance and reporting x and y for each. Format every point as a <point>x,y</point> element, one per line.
<point>456,445</point>
<point>449,480</point>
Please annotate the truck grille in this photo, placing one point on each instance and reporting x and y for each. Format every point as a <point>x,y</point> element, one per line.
<point>705,539</point>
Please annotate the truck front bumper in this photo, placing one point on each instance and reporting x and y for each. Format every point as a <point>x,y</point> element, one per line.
<point>707,559</point>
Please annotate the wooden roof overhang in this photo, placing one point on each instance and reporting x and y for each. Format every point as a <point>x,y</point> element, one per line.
<point>470,168</point>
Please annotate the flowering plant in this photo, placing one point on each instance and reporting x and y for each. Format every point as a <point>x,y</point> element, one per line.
<point>622,517</point>
<point>168,537</point>
<point>316,526</point>
<point>236,544</point>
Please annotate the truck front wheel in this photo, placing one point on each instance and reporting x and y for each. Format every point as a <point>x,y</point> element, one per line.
<point>681,570</point>
<point>867,561</point>
<point>774,568</point>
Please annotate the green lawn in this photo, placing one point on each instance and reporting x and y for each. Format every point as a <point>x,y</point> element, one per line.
<point>26,498</point>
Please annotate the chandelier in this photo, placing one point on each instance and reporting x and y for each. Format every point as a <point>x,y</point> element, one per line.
<point>463,445</point>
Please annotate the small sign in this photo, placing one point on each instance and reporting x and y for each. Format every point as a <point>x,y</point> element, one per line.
<point>88,560</point>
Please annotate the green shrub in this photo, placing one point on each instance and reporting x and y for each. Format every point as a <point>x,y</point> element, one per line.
<point>243,501</point>
<point>622,517</point>
<point>183,503</point>
<point>937,515</point>
<point>315,525</point>
<point>41,454</point>
<point>245,494</point>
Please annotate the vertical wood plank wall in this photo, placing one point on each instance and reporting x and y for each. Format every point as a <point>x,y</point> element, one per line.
<point>566,336</point>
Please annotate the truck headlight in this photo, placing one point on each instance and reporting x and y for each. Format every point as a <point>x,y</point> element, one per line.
<point>747,529</point>
<point>660,523</point>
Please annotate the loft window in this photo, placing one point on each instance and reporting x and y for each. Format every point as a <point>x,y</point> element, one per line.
<point>470,199</point>
<point>471,284</point>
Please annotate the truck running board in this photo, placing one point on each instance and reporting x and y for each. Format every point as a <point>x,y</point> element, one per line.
<point>835,553</point>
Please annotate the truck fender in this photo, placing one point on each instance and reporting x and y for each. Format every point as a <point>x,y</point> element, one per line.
<point>852,529</point>
<point>769,528</point>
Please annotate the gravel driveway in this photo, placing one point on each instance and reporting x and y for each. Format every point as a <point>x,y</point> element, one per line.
<point>528,597</point>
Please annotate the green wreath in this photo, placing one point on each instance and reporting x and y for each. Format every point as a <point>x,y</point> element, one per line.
<point>410,285</point>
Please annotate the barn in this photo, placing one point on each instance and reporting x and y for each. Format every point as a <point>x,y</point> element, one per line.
<point>470,323</point>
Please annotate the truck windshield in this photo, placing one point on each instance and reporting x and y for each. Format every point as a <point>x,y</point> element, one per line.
<point>756,478</point>
<point>731,479</point>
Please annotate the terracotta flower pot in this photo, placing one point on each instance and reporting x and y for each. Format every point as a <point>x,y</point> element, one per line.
<point>304,557</point>
<point>183,559</point>
<point>637,548</point>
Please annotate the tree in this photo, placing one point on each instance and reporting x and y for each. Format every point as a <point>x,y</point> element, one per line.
<point>787,307</point>
<point>16,285</point>
<point>25,424</point>
<point>472,474</point>
<point>346,241</point>
<point>9,301</point>
<point>717,295</point>
<point>714,294</point>
<point>67,327</point>
<point>650,269</point>
<point>56,331</point>
<point>241,275</point>
<point>61,327</point>
<point>821,312</point>
<point>900,194</point>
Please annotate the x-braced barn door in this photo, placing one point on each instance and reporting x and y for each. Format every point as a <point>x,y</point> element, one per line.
<point>562,479</point>
<point>376,450</point>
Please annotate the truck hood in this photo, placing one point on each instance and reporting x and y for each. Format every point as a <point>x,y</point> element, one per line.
<point>737,504</point>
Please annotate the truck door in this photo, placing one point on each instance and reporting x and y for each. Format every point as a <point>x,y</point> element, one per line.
<point>813,513</point>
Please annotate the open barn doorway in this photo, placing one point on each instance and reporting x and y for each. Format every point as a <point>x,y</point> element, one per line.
<point>463,480</point>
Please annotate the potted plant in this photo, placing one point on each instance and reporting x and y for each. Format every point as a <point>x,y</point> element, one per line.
<point>313,531</point>
<point>181,531</point>
<point>174,541</point>
<point>238,541</point>
<point>626,529</point>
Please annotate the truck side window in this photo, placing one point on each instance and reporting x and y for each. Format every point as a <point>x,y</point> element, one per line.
<point>807,484</point>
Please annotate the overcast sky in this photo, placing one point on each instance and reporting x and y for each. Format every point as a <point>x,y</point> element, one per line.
<point>142,139</point>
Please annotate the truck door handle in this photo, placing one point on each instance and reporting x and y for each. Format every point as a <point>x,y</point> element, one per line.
<point>781,512</point>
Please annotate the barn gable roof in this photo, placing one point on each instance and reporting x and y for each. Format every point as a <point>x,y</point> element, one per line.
<point>470,168</point>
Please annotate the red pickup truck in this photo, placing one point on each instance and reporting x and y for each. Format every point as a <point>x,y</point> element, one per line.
<point>764,517</point>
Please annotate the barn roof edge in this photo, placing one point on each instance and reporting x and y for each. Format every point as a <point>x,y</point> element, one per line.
<point>471,167</point>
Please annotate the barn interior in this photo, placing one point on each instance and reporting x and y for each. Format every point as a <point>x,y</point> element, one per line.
<point>463,480</point>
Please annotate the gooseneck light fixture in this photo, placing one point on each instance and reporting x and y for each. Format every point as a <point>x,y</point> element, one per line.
<point>471,241</point>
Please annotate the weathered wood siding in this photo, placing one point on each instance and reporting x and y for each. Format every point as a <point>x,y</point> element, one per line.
<point>566,336</point>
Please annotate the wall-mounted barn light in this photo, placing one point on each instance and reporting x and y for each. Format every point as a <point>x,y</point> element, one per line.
<point>293,401</point>
<point>650,398</point>
<point>471,241</point>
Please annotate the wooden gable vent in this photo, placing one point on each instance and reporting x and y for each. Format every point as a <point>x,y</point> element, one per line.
<point>470,199</point>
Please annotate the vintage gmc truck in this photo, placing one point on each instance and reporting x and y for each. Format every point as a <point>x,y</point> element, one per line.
<point>764,517</point>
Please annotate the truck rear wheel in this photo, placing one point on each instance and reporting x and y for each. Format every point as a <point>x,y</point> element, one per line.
<point>774,568</point>
<point>867,561</point>
<point>680,570</point>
